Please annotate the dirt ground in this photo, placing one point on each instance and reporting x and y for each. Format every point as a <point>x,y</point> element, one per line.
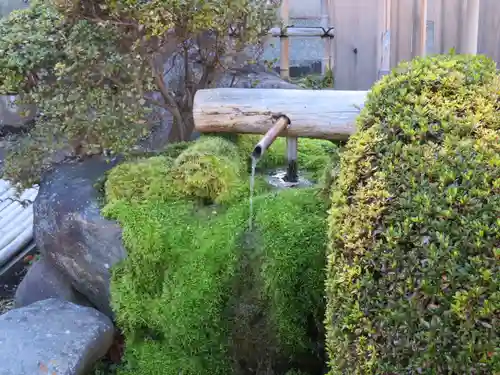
<point>10,279</point>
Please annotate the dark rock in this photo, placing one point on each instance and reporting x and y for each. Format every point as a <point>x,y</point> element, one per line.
<point>161,122</point>
<point>14,119</point>
<point>254,76</point>
<point>53,337</point>
<point>43,281</point>
<point>71,233</point>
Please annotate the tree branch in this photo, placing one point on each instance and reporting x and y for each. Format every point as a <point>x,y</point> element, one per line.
<point>169,99</point>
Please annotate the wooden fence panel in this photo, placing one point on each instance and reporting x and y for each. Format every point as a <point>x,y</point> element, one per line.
<point>402,33</point>
<point>445,20</point>
<point>489,29</point>
<point>357,42</point>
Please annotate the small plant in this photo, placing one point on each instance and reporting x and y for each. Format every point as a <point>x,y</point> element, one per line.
<point>98,70</point>
<point>317,82</point>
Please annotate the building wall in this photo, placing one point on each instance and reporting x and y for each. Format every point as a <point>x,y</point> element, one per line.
<point>489,29</point>
<point>359,27</point>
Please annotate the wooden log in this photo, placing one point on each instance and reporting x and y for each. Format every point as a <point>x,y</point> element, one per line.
<point>323,114</point>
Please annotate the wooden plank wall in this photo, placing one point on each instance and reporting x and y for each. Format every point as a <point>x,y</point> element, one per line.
<point>444,31</point>
<point>489,29</point>
<point>359,25</point>
<point>357,42</point>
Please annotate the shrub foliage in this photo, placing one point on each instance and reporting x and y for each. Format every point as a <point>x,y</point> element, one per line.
<point>413,270</point>
<point>96,69</point>
<point>201,294</point>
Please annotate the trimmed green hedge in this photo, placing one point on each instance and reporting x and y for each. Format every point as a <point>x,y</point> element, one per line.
<point>413,271</point>
<point>200,294</point>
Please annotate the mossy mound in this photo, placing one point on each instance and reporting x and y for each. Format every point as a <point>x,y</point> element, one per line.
<point>200,294</point>
<point>413,270</point>
<point>210,169</point>
<point>142,179</point>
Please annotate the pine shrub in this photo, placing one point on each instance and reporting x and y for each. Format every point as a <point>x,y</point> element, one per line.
<point>413,283</point>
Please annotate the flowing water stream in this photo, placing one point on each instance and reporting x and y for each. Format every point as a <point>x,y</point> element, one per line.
<point>252,183</point>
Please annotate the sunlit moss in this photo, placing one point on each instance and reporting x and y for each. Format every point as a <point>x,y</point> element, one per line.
<point>199,293</point>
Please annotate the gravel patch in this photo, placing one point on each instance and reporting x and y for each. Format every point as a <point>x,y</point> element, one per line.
<point>6,305</point>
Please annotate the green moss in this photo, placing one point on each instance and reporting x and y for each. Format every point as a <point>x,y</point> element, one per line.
<point>210,169</point>
<point>313,154</point>
<point>293,242</point>
<point>198,292</point>
<point>413,271</point>
<point>169,295</point>
<point>140,180</point>
<point>173,150</point>
<point>176,295</point>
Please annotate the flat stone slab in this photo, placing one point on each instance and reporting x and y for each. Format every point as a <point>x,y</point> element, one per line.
<point>53,337</point>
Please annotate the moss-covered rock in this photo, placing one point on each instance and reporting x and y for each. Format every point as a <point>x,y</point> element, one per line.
<point>413,270</point>
<point>140,180</point>
<point>210,169</point>
<point>201,294</point>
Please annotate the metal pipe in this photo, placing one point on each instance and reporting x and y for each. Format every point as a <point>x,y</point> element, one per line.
<point>267,140</point>
<point>291,151</point>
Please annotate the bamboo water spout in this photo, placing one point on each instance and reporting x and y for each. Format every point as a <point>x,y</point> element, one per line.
<point>267,140</point>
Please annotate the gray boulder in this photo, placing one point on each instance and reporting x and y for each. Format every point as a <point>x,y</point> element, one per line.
<point>71,233</point>
<point>254,76</point>
<point>53,337</point>
<point>43,281</point>
<point>8,6</point>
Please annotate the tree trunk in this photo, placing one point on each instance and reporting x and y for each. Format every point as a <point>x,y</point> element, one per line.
<point>182,127</point>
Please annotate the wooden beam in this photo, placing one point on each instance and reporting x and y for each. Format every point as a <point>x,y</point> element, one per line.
<point>299,31</point>
<point>385,58</point>
<point>325,24</point>
<point>323,114</point>
<point>331,41</point>
<point>285,43</point>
